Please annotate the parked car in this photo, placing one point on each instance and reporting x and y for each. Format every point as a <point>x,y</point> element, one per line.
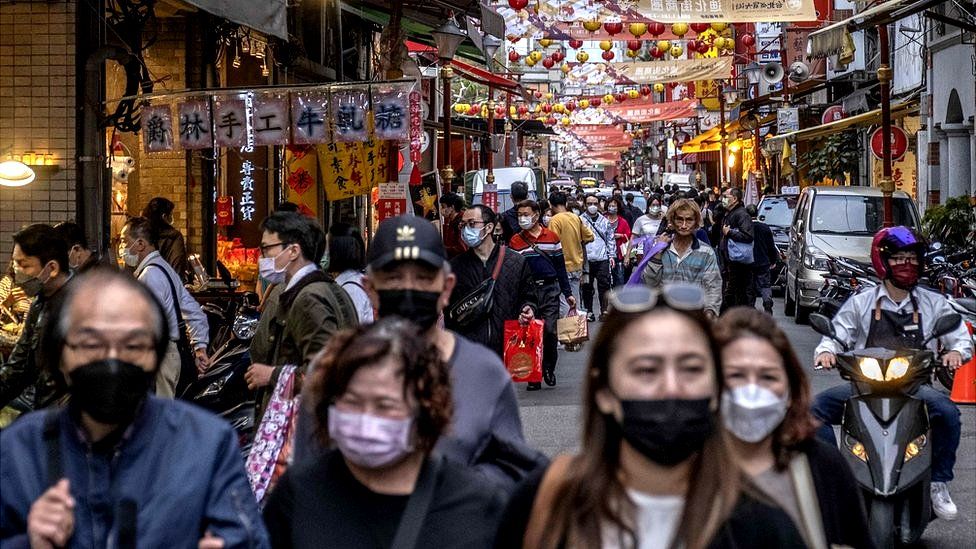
<point>834,222</point>
<point>776,211</point>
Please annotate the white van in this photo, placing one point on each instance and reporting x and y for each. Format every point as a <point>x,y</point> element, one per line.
<point>682,180</point>
<point>504,177</point>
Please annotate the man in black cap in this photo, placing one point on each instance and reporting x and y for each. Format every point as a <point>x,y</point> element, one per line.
<point>409,276</point>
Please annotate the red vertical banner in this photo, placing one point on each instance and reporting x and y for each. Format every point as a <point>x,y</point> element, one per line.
<point>416,129</point>
<point>489,196</point>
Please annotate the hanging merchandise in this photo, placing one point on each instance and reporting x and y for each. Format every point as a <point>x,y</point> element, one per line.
<point>390,105</point>
<point>195,124</point>
<point>309,110</point>
<point>157,128</point>
<point>269,118</point>
<point>230,121</point>
<point>349,108</point>
<point>224,210</point>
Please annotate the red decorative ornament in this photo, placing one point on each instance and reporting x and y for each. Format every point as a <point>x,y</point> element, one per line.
<point>657,53</point>
<point>548,62</point>
<point>551,121</point>
<point>523,110</point>
<point>633,45</point>
<point>608,55</point>
<point>538,94</point>
<point>500,111</point>
<point>595,102</point>
<point>518,4</point>
<point>656,29</point>
<point>546,107</point>
<point>747,40</point>
<point>513,38</point>
<point>620,97</point>
<point>699,46</point>
<point>645,91</point>
<point>613,28</point>
<point>513,56</point>
<point>699,27</point>
<point>576,43</point>
<point>558,56</point>
<point>474,109</point>
<point>570,106</point>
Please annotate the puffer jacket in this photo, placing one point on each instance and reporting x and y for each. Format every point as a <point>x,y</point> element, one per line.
<point>513,290</point>
<point>178,464</point>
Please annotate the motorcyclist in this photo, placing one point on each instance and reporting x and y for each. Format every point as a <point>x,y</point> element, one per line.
<point>898,314</point>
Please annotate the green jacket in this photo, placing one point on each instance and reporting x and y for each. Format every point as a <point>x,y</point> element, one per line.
<point>297,323</point>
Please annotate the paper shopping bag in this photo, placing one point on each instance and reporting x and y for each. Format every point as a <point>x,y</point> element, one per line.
<point>523,350</point>
<point>572,328</point>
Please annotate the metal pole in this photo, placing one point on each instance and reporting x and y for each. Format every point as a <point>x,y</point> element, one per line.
<point>447,172</point>
<point>490,178</point>
<point>884,78</point>
<point>724,158</point>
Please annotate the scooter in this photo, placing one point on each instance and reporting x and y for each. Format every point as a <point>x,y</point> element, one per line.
<point>885,432</point>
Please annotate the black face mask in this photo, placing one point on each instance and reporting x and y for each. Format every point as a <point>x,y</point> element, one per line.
<point>109,390</point>
<point>414,305</point>
<point>667,431</point>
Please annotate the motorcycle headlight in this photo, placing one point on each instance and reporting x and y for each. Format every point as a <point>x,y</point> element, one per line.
<point>915,447</point>
<point>855,447</point>
<point>870,368</point>
<point>897,367</point>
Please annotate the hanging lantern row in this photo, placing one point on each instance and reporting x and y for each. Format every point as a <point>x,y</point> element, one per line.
<point>636,30</point>
<point>658,50</point>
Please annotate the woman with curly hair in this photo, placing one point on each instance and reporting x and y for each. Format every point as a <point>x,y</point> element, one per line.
<point>381,398</point>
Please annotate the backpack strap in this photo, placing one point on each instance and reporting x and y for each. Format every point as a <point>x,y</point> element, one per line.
<point>498,263</point>
<point>408,531</point>
<point>52,441</point>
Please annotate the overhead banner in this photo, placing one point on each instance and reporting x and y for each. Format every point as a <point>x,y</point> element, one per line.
<point>352,168</point>
<point>727,11</point>
<point>654,112</point>
<point>678,70</point>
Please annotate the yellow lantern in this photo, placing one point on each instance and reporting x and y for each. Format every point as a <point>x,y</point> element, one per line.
<point>545,42</point>
<point>559,107</point>
<point>582,56</point>
<point>637,29</point>
<point>484,111</point>
<point>592,26</point>
<point>679,29</point>
<point>676,51</point>
<point>606,45</point>
<point>659,87</point>
<point>663,45</point>
<point>633,94</point>
<point>727,43</point>
<point>608,98</point>
<point>535,56</point>
<point>584,103</point>
<point>632,53</point>
<point>719,27</point>
<point>459,108</point>
<point>512,110</point>
<point>529,61</point>
<point>565,121</point>
<point>565,68</point>
<point>548,96</point>
<point>537,108</point>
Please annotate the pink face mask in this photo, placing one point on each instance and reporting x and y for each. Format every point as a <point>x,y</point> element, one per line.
<point>370,441</point>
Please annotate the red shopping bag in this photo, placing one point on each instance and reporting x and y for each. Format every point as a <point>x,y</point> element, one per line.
<point>523,350</point>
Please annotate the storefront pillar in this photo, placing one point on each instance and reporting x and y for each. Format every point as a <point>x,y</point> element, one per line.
<point>959,160</point>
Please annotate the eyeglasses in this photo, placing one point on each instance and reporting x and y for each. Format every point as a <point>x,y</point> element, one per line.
<point>265,247</point>
<point>639,298</point>
<point>96,349</point>
<point>903,260</point>
<point>471,223</point>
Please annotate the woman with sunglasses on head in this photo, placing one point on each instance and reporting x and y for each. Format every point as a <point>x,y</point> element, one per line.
<point>655,470</point>
<point>766,408</point>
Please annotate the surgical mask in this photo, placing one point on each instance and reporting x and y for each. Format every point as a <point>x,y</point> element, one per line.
<point>667,431</point>
<point>654,210</point>
<point>905,275</point>
<point>109,390</point>
<point>370,441</point>
<point>268,269</point>
<point>612,209</point>
<point>576,211</point>
<point>726,201</point>
<point>30,285</point>
<point>417,306</point>
<point>472,236</point>
<point>525,222</point>
<point>752,413</point>
<point>546,219</point>
<point>130,259</point>
<point>592,209</point>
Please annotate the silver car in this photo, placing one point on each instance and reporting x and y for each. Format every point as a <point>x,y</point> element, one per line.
<point>832,222</point>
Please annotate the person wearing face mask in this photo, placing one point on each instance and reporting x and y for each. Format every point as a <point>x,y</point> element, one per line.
<point>573,236</point>
<point>303,310</point>
<point>40,263</point>
<point>381,399</point>
<point>655,469</point>
<point>621,236</point>
<point>138,242</point>
<point>451,208</point>
<point>737,276</point>
<point>898,314</point>
<point>600,257</point>
<point>81,258</point>
<point>512,292</point>
<point>170,241</point>
<point>766,408</point>
<point>119,467</point>
<point>345,260</point>
<point>646,225</point>
<point>408,276</point>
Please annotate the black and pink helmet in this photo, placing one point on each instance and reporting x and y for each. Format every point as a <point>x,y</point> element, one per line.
<point>891,240</point>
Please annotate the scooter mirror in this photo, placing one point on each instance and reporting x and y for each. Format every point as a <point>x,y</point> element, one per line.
<point>944,325</point>
<point>822,325</point>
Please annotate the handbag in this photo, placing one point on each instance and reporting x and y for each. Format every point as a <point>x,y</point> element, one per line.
<point>572,328</point>
<point>740,252</point>
<point>474,307</point>
<point>272,447</point>
<point>188,361</point>
<point>523,350</point>
<point>806,496</point>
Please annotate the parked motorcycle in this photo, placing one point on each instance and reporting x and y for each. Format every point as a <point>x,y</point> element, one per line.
<point>966,308</point>
<point>885,435</point>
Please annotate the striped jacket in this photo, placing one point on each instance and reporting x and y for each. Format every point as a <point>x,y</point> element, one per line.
<point>699,267</point>
<point>548,267</point>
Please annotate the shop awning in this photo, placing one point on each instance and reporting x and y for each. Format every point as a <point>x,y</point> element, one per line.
<point>267,16</point>
<point>705,156</point>
<point>469,71</point>
<point>900,110</point>
<point>711,140</point>
<point>830,39</point>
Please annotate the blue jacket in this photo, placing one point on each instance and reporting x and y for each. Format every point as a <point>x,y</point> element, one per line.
<point>180,465</point>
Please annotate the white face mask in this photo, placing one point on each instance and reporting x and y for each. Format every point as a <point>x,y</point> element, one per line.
<point>592,209</point>
<point>752,413</point>
<point>370,441</point>
<point>268,269</point>
<point>546,219</point>
<point>526,222</point>
<point>612,210</point>
<point>130,259</point>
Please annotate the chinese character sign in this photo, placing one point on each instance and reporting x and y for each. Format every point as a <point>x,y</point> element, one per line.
<point>247,191</point>
<point>195,125</point>
<point>269,121</point>
<point>157,128</point>
<point>346,171</point>
<point>308,113</point>
<point>302,180</point>
<point>349,109</point>
<point>392,200</point>
<point>230,123</point>
<point>390,112</point>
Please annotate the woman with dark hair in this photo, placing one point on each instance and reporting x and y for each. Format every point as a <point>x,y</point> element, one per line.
<point>345,259</point>
<point>766,407</point>
<point>621,234</point>
<point>655,470</point>
<point>170,241</point>
<point>381,396</point>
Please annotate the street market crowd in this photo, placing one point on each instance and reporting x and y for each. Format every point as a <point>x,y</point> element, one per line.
<point>386,411</point>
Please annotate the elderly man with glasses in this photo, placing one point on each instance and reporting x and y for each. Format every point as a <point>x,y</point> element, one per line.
<point>120,467</point>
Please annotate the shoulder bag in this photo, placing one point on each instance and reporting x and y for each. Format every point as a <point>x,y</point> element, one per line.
<point>474,307</point>
<point>408,531</point>
<point>740,252</point>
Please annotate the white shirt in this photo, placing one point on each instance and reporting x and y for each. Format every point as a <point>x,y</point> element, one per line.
<point>645,225</point>
<point>853,321</point>
<point>155,279</point>
<point>352,282</point>
<point>657,521</point>
<point>302,273</point>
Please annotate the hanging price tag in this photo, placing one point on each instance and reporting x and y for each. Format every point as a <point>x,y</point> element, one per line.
<point>416,131</point>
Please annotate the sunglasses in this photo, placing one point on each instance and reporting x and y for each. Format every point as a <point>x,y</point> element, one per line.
<point>639,298</point>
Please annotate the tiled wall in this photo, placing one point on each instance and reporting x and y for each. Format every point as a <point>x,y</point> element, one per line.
<point>37,111</point>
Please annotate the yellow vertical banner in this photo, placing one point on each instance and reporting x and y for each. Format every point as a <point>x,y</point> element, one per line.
<point>302,180</point>
<point>351,169</point>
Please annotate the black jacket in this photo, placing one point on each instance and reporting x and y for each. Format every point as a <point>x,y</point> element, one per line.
<point>740,223</point>
<point>513,290</point>
<point>510,226</point>
<point>631,213</point>
<point>764,249</point>
<point>841,507</point>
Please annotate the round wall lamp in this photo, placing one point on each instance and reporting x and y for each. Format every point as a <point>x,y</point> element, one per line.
<point>14,173</point>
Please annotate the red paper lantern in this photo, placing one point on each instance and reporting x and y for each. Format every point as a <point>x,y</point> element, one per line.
<point>620,97</point>
<point>747,40</point>
<point>570,106</point>
<point>500,111</point>
<point>474,109</point>
<point>518,4</point>
<point>558,56</point>
<point>523,110</point>
<point>656,29</point>
<point>513,56</point>
<point>645,91</point>
<point>613,28</point>
<point>595,102</point>
<point>657,52</point>
<point>551,121</point>
<point>548,62</point>
<point>608,55</point>
<point>699,27</point>
<point>576,43</point>
<point>546,107</point>
<point>633,45</point>
<point>538,94</point>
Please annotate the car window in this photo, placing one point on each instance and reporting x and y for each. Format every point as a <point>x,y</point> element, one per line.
<point>856,215</point>
<point>777,210</point>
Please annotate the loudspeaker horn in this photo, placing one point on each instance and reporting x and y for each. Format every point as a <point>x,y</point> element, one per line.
<point>773,73</point>
<point>799,72</point>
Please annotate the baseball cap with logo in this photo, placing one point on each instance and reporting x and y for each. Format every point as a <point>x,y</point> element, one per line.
<point>406,238</point>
